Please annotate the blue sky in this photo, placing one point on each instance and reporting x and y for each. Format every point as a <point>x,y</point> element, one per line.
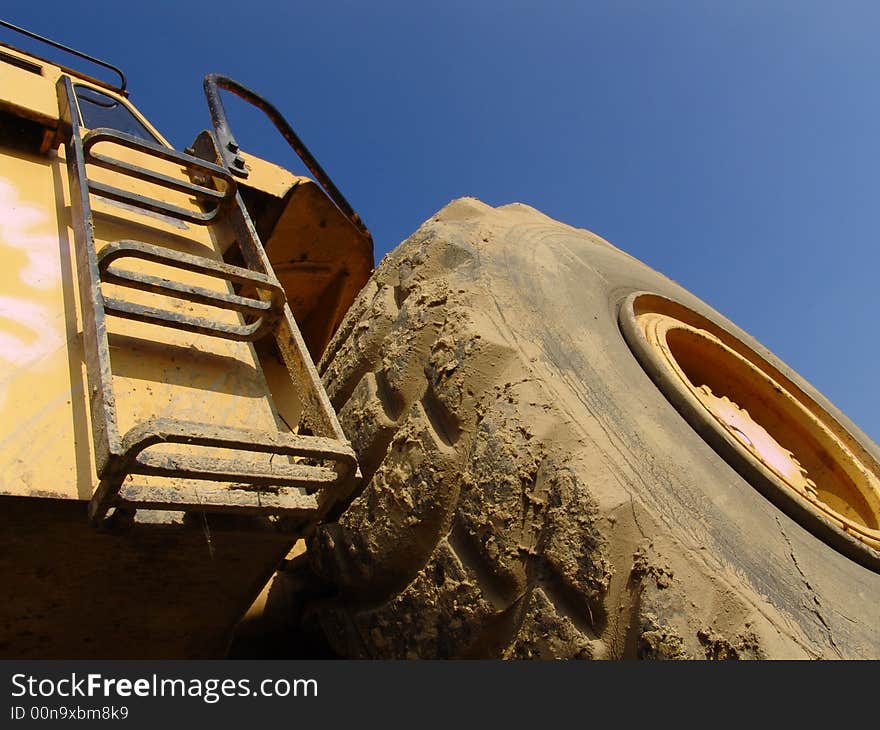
<point>731,145</point>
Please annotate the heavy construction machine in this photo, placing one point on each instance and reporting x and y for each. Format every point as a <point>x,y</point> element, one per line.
<point>160,311</point>
<point>518,441</point>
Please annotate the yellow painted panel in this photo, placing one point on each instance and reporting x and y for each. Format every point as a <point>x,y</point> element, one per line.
<point>29,94</point>
<point>268,177</point>
<point>45,442</point>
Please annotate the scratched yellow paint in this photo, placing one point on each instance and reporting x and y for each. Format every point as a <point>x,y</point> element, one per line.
<point>44,447</point>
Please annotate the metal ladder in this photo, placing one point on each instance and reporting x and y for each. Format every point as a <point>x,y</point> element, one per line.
<point>301,489</point>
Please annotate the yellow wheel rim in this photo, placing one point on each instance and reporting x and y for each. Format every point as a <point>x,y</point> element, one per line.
<point>766,423</point>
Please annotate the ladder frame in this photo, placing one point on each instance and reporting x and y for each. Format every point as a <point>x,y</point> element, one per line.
<point>289,490</point>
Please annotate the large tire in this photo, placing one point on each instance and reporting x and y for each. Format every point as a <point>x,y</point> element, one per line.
<point>529,492</point>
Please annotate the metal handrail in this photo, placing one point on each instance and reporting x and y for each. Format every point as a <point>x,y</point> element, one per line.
<point>72,51</point>
<point>229,147</point>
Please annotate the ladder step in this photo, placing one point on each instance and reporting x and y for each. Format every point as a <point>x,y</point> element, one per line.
<point>157,285</point>
<point>196,264</point>
<point>193,165</point>
<point>217,500</point>
<point>151,204</point>
<point>165,181</point>
<point>267,310</point>
<point>247,479</point>
<point>254,474</point>
<point>175,320</point>
<point>195,433</point>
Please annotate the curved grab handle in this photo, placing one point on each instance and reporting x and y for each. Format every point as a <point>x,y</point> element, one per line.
<point>73,52</point>
<point>229,147</point>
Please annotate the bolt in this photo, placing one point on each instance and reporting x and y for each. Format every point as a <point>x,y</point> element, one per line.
<point>232,146</point>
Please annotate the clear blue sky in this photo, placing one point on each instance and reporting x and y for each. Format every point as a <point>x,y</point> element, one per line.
<point>731,145</point>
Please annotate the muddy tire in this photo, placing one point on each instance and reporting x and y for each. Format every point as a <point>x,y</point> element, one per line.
<point>529,492</point>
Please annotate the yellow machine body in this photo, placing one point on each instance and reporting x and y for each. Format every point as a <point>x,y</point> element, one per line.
<point>171,583</point>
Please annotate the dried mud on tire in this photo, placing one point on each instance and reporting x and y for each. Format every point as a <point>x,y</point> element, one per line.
<point>528,492</point>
